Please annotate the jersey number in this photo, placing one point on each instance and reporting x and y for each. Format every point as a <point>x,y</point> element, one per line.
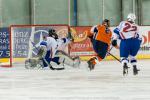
<point>129,28</point>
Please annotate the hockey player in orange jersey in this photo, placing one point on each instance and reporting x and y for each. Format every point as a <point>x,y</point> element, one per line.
<point>100,36</point>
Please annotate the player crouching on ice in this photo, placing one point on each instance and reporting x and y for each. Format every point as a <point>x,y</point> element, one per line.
<point>128,33</point>
<point>49,51</point>
<point>100,36</point>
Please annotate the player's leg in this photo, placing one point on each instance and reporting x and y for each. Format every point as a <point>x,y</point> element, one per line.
<point>33,63</point>
<point>64,58</point>
<point>124,53</point>
<point>101,49</point>
<point>92,61</point>
<point>38,62</point>
<point>46,59</point>
<point>45,56</point>
<point>133,52</point>
<point>133,62</point>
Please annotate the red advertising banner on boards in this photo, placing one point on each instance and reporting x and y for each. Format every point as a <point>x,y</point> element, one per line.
<point>82,45</point>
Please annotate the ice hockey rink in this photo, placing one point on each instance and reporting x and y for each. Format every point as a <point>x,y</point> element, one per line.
<point>106,82</point>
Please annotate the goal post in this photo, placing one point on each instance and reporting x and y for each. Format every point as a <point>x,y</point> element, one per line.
<point>25,38</point>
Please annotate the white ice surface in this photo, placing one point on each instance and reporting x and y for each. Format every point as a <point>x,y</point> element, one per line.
<point>106,82</point>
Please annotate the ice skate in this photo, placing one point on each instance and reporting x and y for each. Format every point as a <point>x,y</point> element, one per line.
<point>91,64</point>
<point>77,61</point>
<point>125,69</point>
<point>135,70</point>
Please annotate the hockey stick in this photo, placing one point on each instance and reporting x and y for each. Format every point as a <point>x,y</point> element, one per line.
<point>114,56</point>
<point>125,68</point>
<point>109,50</point>
<point>50,66</point>
<point>34,45</point>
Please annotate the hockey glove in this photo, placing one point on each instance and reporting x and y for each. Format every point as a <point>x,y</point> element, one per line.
<point>114,43</point>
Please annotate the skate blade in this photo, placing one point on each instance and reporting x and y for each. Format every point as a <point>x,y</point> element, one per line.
<point>125,71</point>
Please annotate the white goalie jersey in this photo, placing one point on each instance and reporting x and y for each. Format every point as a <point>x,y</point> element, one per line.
<point>53,45</point>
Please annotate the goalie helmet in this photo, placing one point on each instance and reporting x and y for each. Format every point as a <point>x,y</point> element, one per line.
<point>52,33</point>
<point>131,17</point>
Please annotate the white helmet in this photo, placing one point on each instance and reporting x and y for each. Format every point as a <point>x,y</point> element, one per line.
<point>131,17</point>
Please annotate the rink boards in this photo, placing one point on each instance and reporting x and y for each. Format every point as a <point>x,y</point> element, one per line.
<point>82,47</point>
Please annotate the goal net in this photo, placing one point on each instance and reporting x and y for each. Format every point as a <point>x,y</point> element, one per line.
<point>24,40</point>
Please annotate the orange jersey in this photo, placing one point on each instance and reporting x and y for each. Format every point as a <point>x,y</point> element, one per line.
<point>101,34</point>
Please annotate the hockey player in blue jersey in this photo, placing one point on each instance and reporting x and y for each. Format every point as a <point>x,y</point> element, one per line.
<point>128,33</point>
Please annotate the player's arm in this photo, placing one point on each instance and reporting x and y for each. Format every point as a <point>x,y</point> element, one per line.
<point>114,41</point>
<point>116,35</point>
<point>118,29</point>
<point>91,32</point>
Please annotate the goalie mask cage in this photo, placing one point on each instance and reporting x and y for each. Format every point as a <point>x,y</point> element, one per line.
<point>24,40</point>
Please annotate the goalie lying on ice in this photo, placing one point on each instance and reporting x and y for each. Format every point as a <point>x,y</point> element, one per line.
<point>49,51</point>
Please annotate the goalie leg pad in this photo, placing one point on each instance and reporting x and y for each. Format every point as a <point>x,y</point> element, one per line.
<point>75,62</point>
<point>42,51</point>
<point>66,59</point>
<point>33,63</point>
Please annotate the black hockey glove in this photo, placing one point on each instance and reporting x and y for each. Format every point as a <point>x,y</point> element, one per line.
<point>114,43</point>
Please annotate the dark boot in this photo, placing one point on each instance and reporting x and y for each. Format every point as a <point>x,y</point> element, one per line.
<point>91,64</point>
<point>135,70</point>
<point>125,69</point>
